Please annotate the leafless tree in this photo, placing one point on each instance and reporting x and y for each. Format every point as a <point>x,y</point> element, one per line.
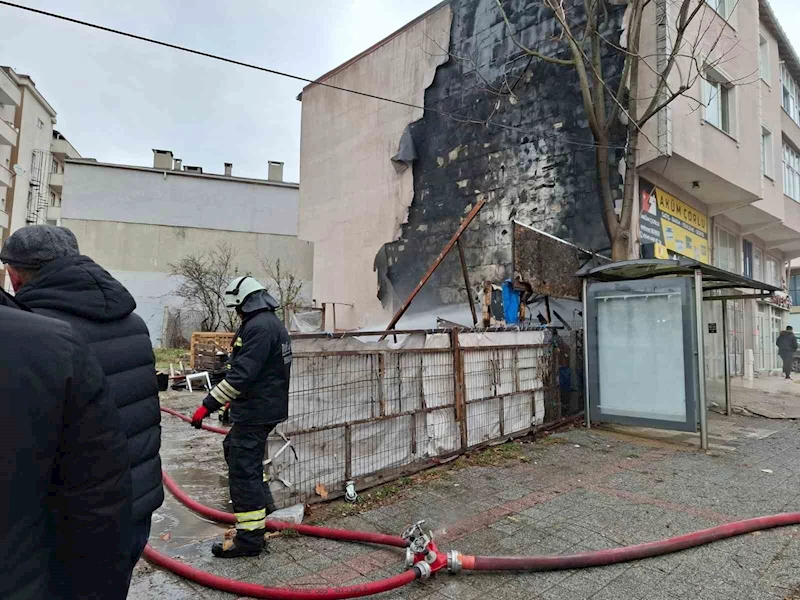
<point>203,279</point>
<point>284,283</point>
<point>647,85</point>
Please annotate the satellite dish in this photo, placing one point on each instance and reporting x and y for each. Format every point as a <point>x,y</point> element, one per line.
<point>18,170</point>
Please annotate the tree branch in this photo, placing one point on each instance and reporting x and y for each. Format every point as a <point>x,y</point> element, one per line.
<point>521,46</point>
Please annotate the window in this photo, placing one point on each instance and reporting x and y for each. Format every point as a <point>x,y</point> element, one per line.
<point>773,272</point>
<point>717,96</point>
<point>766,153</point>
<point>763,58</point>
<point>721,6</point>
<point>789,95</point>
<point>725,254</point>
<point>40,123</point>
<point>794,289</point>
<point>747,256</point>
<point>791,172</point>
<point>758,259</point>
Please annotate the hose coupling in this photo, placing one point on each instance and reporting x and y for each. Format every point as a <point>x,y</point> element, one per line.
<point>410,558</point>
<point>424,570</point>
<point>454,564</point>
<point>418,540</point>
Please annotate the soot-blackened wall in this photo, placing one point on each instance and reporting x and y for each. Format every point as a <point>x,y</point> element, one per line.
<point>515,134</point>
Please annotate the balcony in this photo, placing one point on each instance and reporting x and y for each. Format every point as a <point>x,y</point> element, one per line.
<point>4,220</point>
<point>54,213</point>
<point>9,92</point>
<point>62,149</point>
<point>8,134</point>
<point>6,178</point>
<point>791,130</point>
<point>57,182</point>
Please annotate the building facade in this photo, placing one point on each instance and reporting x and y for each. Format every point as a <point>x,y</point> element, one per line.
<point>138,221</point>
<point>32,155</point>
<point>723,156</point>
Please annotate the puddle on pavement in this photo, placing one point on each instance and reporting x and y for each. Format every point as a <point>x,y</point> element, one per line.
<point>178,532</point>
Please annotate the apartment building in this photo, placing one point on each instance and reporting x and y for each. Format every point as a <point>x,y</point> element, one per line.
<point>32,155</point>
<point>137,221</point>
<point>722,159</point>
<point>733,160</point>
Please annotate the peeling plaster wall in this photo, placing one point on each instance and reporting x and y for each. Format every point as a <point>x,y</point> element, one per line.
<point>537,167</point>
<point>352,198</point>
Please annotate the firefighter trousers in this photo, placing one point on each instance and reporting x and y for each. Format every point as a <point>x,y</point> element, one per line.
<point>244,448</point>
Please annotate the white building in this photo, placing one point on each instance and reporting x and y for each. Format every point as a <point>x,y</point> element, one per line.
<point>32,155</point>
<point>137,221</point>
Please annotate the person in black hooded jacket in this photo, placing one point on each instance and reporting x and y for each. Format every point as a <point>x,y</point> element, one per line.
<point>65,488</point>
<point>51,278</point>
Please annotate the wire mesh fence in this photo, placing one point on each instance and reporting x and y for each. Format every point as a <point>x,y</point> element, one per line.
<point>377,413</point>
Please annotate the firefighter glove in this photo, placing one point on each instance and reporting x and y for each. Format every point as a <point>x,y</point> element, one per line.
<point>200,414</point>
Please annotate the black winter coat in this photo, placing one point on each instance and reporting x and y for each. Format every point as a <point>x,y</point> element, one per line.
<point>257,383</point>
<point>786,342</point>
<point>65,488</point>
<point>77,290</point>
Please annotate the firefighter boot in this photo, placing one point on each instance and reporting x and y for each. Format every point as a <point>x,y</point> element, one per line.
<point>244,543</point>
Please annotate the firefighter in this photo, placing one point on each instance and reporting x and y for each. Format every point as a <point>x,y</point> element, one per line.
<point>256,387</point>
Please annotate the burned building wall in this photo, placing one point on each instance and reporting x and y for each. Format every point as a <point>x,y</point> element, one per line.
<point>516,134</point>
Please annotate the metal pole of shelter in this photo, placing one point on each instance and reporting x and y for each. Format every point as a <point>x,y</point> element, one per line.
<point>586,408</point>
<point>701,370</point>
<point>728,400</point>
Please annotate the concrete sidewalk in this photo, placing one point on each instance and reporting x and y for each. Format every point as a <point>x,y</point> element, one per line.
<point>773,397</point>
<point>574,491</point>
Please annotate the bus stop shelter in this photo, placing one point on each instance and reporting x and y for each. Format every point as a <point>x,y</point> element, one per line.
<point>644,360</point>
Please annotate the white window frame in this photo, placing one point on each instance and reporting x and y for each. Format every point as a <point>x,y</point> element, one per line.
<point>758,264</point>
<point>777,279</point>
<point>767,153</point>
<point>791,172</point>
<point>790,95</point>
<point>734,261</point>
<point>719,102</point>
<point>721,7</point>
<point>763,58</point>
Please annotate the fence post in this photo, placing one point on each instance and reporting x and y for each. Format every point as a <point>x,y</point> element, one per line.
<point>458,386</point>
<point>348,452</point>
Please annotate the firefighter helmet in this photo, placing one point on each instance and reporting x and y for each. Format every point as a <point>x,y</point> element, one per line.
<point>239,289</point>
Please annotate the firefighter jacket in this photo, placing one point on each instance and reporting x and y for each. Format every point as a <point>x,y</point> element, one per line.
<point>257,382</point>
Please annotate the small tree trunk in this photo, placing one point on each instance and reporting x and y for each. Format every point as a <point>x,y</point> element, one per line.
<point>620,245</point>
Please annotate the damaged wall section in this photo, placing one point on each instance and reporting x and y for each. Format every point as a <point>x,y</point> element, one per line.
<point>538,167</point>
<point>353,197</point>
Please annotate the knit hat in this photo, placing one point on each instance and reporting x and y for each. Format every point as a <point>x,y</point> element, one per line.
<point>33,246</point>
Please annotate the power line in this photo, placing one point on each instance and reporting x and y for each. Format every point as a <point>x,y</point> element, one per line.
<point>141,38</point>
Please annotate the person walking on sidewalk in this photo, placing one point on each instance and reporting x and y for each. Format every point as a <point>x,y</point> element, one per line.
<point>787,344</point>
<point>257,389</point>
<point>51,278</point>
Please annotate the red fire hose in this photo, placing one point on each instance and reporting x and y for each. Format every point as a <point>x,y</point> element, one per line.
<point>613,556</point>
<point>345,535</point>
<point>241,588</point>
<point>211,428</point>
<point>430,560</point>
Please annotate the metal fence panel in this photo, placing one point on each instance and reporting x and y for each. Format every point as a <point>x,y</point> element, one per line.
<point>375,413</point>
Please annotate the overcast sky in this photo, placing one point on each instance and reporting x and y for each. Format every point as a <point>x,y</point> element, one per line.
<point>118,98</point>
